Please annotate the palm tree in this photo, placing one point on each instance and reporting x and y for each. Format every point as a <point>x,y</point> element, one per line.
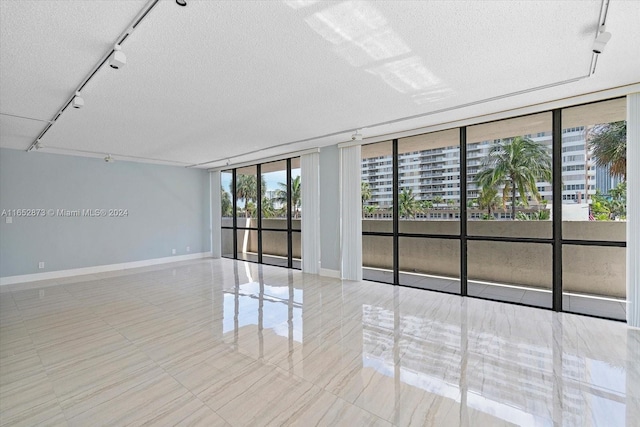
<point>609,144</point>
<point>369,210</point>
<point>268,210</point>
<point>437,200</point>
<point>225,200</point>
<point>425,205</point>
<point>296,193</point>
<point>365,191</point>
<point>488,199</point>
<point>246,189</point>
<point>516,165</point>
<point>407,203</point>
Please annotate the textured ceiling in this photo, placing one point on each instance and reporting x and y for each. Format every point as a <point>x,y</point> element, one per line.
<point>246,80</point>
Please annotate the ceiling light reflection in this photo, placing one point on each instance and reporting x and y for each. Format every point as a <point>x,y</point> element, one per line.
<point>437,93</point>
<point>359,31</point>
<point>406,75</point>
<point>299,4</point>
<point>381,45</point>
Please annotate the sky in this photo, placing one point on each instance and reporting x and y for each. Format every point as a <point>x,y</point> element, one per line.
<point>271,179</point>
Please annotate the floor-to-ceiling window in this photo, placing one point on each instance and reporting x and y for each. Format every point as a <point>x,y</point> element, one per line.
<point>265,228</point>
<point>377,212</point>
<point>429,211</point>
<point>594,166</point>
<point>529,210</point>
<point>509,229</point>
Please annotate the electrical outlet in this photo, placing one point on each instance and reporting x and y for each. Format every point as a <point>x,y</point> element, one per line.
<point>41,264</point>
<point>173,251</point>
<point>188,248</point>
<point>9,220</point>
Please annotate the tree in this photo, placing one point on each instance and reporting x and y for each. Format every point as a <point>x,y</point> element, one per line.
<point>609,144</point>
<point>296,200</point>
<point>268,210</point>
<point>599,207</point>
<point>437,200</point>
<point>426,205</point>
<point>618,202</point>
<point>369,210</point>
<point>488,199</point>
<point>250,209</point>
<point>225,200</point>
<point>246,190</point>
<point>407,203</point>
<point>516,165</point>
<point>365,191</point>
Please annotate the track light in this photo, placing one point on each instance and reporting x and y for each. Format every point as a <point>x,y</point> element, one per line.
<point>78,102</point>
<point>117,59</point>
<point>181,2</point>
<point>38,145</point>
<point>108,159</point>
<point>601,40</point>
<point>356,136</point>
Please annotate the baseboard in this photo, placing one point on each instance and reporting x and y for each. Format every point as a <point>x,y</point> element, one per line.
<point>329,273</point>
<point>10,280</point>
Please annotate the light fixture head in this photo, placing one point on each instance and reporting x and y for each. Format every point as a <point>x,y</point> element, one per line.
<point>108,159</point>
<point>38,144</point>
<point>356,136</point>
<point>78,102</point>
<point>601,40</point>
<point>117,59</point>
<point>181,2</point>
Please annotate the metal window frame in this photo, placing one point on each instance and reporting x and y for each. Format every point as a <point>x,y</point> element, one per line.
<point>556,240</point>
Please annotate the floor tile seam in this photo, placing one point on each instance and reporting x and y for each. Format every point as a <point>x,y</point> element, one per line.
<point>258,380</point>
<point>33,345</point>
<point>304,407</point>
<point>53,390</point>
<point>132,386</point>
<point>355,405</point>
<point>57,341</point>
<point>193,394</point>
<point>27,411</point>
<point>67,295</point>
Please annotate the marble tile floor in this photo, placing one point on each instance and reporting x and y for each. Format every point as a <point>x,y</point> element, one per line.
<point>223,342</point>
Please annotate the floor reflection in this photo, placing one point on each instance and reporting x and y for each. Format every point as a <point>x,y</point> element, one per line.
<point>412,356</point>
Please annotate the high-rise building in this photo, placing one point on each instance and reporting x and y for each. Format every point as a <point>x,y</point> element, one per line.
<point>434,174</point>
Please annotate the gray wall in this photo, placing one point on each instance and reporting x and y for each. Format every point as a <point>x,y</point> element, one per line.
<point>168,208</point>
<point>330,208</point>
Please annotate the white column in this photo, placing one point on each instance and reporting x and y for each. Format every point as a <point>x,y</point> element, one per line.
<point>633,210</point>
<point>216,219</point>
<point>310,223</point>
<point>350,213</point>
